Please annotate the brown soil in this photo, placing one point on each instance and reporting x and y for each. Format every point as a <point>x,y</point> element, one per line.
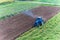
<point>46,12</point>
<point>12,27</point>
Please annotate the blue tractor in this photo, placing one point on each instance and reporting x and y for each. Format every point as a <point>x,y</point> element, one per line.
<point>38,22</point>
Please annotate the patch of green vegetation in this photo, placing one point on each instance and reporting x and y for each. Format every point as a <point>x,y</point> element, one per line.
<point>49,31</point>
<point>15,8</point>
<point>5,3</point>
<point>49,1</point>
<point>18,6</point>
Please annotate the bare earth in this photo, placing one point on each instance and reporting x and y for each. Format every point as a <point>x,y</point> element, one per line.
<point>14,26</point>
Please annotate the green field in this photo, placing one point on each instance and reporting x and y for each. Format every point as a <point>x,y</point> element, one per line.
<point>18,6</point>
<point>15,7</point>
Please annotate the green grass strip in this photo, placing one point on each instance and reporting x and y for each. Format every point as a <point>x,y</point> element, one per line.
<point>15,7</point>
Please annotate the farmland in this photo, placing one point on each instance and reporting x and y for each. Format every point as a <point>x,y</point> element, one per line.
<point>49,31</point>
